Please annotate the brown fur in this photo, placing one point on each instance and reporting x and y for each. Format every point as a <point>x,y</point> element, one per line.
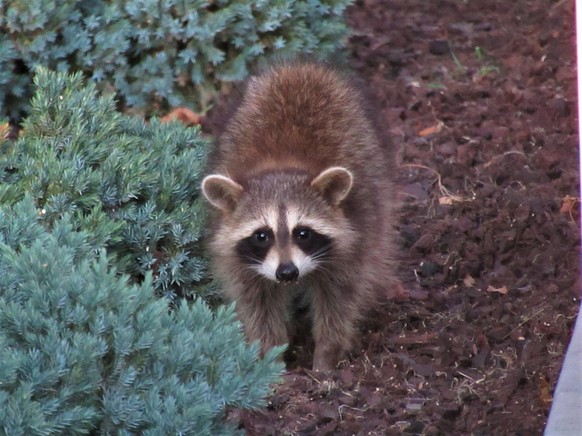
<point>294,122</point>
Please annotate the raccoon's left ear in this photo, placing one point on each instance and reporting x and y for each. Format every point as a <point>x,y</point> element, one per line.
<point>221,191</point>
<point>334,184</point>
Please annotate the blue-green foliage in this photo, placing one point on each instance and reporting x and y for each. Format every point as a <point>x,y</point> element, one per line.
<point>158,52</point>
<point>82,350</point>
<point>134,187</point>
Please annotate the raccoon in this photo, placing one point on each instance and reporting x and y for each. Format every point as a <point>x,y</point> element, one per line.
<point>303,207</point>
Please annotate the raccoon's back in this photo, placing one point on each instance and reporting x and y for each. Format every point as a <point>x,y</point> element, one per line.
<point>301,115</point>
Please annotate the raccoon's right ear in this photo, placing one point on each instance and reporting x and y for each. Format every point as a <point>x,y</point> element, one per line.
<point>222,192</point>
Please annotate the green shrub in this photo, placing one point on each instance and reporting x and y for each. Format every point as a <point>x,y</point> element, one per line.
<point>133,187</point>
<point>82,350</point>
<point>157,52</point>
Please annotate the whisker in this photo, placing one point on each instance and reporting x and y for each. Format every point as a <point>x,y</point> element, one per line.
<point>321,252</point>
<point>324,269</point>
<point>253,260</point>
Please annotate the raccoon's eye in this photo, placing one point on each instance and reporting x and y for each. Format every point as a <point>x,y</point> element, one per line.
<point>261,237</point>
<point>302,233</point>
<point>312,243</point>
<point>256,246</point>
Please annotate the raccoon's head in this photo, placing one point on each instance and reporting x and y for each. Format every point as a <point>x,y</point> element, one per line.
<point>284,224</point>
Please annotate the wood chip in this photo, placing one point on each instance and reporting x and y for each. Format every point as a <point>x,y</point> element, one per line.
<point>502,290</point>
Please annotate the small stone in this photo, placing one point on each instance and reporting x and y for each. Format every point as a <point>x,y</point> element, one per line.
<point>439,47</point>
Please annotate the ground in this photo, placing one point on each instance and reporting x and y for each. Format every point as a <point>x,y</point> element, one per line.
<point>480,99</point>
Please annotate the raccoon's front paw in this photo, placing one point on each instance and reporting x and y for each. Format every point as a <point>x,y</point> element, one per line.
<point>322,366</point>
<point>325,361</point>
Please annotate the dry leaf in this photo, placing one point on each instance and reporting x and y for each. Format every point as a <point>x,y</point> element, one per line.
<point>502,290</point>
<point>569,204</point>
<point>4,131</point>
<point>184,115</point>
<point>430,130</point>
<point>545,395</point>
<point>468,281</point>
<point>571,207</point>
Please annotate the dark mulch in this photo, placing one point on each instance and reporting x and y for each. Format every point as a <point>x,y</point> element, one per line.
<point>480,96</point>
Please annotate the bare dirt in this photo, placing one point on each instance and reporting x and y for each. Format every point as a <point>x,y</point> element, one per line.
<point>480,98</point>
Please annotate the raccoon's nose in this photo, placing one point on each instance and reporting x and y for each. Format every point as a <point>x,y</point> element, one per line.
<point>287,272</point>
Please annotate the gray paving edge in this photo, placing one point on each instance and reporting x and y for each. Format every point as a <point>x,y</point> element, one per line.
<point>566,412</point>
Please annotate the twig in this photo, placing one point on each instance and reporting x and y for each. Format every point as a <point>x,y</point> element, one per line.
<point>525,321</point>
<point>444,191</point>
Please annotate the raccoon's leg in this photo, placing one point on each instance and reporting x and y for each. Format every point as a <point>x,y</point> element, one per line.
<point>264,315</point>
<point>334,314</point>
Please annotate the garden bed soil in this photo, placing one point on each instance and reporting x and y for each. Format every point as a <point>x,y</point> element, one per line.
<point>480,99</point>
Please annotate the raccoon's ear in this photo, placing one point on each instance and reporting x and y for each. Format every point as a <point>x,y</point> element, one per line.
<point>334,184</point>
<point>222,192</point>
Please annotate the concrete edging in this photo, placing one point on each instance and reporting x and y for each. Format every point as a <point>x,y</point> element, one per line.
<point>566,413</point>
